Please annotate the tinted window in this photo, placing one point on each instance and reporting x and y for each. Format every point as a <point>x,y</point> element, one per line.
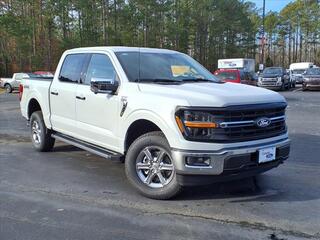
<point>71,68</point>
<point>227,75</point>
<point>100,66</point>
<point>298,71</point>
<point>313,71</point>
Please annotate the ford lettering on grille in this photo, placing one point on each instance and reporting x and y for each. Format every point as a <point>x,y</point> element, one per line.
<point>263,122</point>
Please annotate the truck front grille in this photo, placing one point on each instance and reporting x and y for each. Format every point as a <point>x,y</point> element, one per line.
<point>239,123</point>
<point>269,82</point>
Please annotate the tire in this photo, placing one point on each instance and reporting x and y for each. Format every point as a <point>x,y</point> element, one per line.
<point>8,88</point>
<point>40,136</point>
<point>152,153</point>
<point>288,86</point>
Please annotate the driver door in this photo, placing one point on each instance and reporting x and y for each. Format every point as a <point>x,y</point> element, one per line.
<point>97,115</point>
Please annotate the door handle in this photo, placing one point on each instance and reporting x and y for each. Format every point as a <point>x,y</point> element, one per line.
<point>54,93</point>
<point>80,98</point>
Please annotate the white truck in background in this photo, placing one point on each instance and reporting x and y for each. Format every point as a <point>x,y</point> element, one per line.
<point>172,122</point>
<point>298,69</point>
<point>244,64</point>
<point>11,84</point>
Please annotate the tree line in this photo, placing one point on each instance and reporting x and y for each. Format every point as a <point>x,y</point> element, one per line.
<point>34,33</point>
<point>293,35</point>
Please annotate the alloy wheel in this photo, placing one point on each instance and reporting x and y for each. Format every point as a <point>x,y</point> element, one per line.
<point>154,167</point>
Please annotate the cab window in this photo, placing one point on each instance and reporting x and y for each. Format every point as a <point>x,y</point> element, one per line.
<point>19,76</point>
<point>71,68</point>
<point>100,67</point>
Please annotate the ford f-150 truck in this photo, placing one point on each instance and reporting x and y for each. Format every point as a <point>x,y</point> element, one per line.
<point>275,78</point>
<point>170,120</point>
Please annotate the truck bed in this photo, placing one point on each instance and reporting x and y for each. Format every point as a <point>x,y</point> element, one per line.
<point>38,88</point>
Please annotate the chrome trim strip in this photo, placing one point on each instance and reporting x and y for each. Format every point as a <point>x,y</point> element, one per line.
<point>249,122</point>
<point>226,149</point>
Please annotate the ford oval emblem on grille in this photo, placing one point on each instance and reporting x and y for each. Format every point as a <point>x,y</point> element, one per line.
<point>263,122</point>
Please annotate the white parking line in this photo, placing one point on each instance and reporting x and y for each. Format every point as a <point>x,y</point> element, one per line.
<point>296,90</point>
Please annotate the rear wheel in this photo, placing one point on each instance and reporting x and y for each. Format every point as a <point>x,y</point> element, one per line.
<point>8,88</point>
<point>149,167</point>
<point>40,135</point>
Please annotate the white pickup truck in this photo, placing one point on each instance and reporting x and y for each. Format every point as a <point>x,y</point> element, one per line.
<point>11,84</point>
<point>170,120</point>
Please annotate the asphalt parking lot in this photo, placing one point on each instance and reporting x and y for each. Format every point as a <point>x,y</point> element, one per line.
<point>71,194</point>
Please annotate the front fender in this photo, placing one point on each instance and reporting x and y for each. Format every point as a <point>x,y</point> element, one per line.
<point>165,122</point>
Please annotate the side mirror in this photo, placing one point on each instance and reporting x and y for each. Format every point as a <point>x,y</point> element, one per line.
<point>103,85</point>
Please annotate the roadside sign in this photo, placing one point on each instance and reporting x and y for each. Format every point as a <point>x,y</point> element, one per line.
<point>261,67</point>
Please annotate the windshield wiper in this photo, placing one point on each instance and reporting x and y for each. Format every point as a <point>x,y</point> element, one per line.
<point>158,80</point>
<point>198,80</point>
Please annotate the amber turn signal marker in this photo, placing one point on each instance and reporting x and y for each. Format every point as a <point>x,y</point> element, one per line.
<point>200,124</point>
<point>180,124</point>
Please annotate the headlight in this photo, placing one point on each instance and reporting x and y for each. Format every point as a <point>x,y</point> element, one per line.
<point>195,124</point>
<point>306,79</point>
<point>279,80</point>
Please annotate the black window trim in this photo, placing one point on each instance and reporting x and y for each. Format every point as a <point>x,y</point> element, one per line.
<point>84,70</point>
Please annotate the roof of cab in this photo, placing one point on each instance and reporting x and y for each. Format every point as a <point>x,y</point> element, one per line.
<point>120,49</point>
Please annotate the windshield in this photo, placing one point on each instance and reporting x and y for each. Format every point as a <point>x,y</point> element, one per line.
<point>313,71</point>
<point>298,71</point>
<point>272,71</point>
<point>227,76</point>
<point>163,67</point>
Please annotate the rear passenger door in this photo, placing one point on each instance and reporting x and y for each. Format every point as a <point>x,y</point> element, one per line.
<point>63,94</point>
<point>98,114</point>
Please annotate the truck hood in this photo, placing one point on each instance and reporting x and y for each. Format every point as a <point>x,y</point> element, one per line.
<point>213,94</point>
<point>271,75</point>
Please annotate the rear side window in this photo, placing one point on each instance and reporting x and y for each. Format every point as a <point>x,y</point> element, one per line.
<point>100,66</point>
<point>71,68</point>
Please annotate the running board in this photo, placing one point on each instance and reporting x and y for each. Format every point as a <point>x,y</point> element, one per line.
<point>87,146</point>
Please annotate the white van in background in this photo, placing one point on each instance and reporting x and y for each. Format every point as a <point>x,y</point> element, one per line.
<point>298,69</point>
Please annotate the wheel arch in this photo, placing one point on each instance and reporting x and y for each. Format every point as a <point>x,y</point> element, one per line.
<point>137,128</point>
<point>33,106</point>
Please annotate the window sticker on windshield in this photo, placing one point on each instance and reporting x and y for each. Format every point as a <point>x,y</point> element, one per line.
<point>178,70</point>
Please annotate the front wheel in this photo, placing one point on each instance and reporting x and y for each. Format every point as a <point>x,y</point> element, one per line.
<point>149,167</point>
<point>40,135</point>
<point>8,88</point>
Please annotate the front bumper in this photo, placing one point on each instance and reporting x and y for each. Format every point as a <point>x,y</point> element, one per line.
<point>227,164</point>
<point>311,86</point>
<point>273,86</point>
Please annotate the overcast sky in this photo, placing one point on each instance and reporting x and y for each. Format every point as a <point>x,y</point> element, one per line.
<point>272,5</point>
